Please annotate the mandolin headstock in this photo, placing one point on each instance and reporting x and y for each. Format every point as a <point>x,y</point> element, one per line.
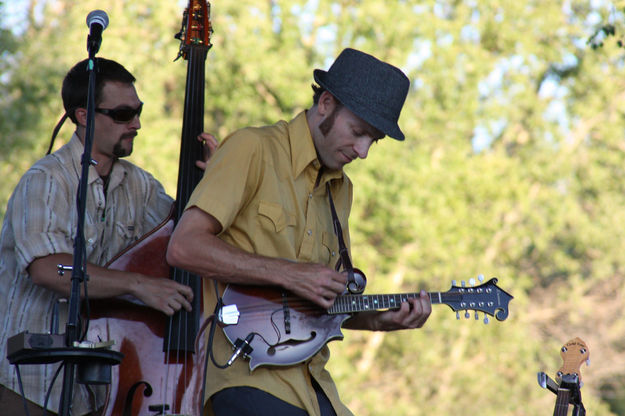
<point>486,297</point>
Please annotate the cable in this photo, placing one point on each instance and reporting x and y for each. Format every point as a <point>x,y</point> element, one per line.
<point>211,335</point>
<point>56,374</point>
<point>56,131</point>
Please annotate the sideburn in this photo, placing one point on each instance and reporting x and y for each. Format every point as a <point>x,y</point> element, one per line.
<point>326,125</point>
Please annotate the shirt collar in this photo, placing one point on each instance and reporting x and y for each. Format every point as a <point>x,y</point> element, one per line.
<point>303,152</point>
<point>118,173</point>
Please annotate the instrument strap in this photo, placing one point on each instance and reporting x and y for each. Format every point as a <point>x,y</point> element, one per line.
<point>352,284</point>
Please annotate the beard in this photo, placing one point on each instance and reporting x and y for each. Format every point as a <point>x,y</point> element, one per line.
<point>119,150</point>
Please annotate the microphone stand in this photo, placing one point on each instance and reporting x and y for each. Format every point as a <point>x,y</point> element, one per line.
<point>93,363</point>
<point>72,328</point>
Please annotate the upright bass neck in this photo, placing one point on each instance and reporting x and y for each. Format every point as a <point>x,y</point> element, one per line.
<point>194,47</point>
<point>195,43</point>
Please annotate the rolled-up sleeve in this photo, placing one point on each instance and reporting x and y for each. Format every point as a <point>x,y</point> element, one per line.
<point>40,218</point>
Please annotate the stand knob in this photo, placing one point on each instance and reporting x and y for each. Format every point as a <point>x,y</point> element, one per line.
<point>61,269</point>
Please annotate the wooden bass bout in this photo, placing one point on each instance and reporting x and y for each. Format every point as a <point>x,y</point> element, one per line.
<point>149,380</point>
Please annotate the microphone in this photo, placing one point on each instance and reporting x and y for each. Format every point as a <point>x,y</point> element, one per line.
<point>97,21</point>
<point>241,347</point>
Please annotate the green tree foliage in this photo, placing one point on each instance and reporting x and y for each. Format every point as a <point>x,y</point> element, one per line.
<point>512,167</point>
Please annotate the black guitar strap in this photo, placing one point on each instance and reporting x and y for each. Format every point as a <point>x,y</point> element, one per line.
<point>345,261</point>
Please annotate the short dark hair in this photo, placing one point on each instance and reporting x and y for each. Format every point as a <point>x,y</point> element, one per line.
<point>317,91</point>
<point>76,83</point>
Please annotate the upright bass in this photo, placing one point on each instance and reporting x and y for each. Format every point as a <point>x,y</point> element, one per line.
<point>163,369</point>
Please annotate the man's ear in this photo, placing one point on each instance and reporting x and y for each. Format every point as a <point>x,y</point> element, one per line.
<point>326,103</point>
<point>81,116</point>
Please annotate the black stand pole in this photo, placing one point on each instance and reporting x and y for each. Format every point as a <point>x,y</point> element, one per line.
<point>72,329</point>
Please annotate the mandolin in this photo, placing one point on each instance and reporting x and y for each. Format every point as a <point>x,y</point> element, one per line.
<point>282,329</point>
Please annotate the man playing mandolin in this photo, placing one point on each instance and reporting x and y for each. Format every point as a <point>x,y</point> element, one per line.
<point>124,202</point>
<point>261,216</point>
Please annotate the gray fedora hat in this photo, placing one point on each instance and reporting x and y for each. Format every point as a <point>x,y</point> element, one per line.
<point>373,90</point>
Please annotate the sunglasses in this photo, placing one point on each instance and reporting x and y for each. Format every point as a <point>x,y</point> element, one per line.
<point>121,115</point>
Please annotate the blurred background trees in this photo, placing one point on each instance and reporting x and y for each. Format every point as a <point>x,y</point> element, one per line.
<point>513,166</point>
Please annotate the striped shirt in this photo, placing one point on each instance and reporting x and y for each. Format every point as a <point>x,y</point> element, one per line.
<point>41,220</point>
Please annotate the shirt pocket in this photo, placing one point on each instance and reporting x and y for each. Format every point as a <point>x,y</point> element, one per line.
<point>330,249</point>
<point>274,217</point>
<point>127,232</point>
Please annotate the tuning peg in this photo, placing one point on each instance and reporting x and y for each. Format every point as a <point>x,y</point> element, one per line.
<point>457,315</point>
<point>588,362</point>
<point>476,316</point>
<point>480,277</point>
<point>453,283</point>
<point>486,320</point>
<point>472,281</point>
<point>463,283</point>
<point>467,315</point>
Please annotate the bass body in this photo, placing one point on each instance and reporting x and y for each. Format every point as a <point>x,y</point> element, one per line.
<point>151,379</point>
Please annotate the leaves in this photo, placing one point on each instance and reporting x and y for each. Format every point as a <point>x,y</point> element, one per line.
<point>512,167</point>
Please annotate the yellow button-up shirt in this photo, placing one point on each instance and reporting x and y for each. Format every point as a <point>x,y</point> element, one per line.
<point>261,185</point>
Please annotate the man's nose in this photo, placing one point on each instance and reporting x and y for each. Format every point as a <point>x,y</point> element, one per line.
<point>362,145</point>
<point>135,123</point>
